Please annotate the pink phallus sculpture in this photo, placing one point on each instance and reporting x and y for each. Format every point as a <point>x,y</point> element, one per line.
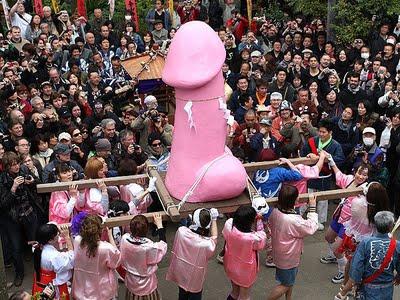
<point>200,169</point>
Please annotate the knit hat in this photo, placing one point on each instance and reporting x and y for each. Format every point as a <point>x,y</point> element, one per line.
<point>153,137</point>
<point>285,105</point>
<point>102,145</point>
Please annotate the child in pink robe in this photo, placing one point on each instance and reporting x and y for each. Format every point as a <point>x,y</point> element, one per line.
<point>241,251</point>
<point>95,263</point>
<point>62,203</point>
<point>140,256</point>
<point>288,230</point>
<point>191,252</point>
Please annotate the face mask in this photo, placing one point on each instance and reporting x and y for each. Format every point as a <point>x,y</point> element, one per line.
<point>368,141</point>
<point>364,55</point>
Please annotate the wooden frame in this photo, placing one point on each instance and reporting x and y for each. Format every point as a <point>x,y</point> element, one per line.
<point>170,204</point>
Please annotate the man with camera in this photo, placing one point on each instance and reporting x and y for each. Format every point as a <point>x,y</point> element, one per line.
<point>369,152</point>
<point>152,120</point>
<point>127,148</point>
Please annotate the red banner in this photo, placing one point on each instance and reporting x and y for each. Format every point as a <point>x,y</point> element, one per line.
<point>131,7</point>
<point>81,8</point>
<point>38,7</point>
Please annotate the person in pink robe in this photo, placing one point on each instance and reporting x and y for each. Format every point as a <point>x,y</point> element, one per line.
<point>192,250</point>
<point>140,256</point>
<point>95,263</point>
<point>288,230</point>
<point>334,234</point>
<point>62,203</point>
<point>242,244</point>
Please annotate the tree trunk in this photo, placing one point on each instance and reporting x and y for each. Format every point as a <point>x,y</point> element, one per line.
<point>330,20</point>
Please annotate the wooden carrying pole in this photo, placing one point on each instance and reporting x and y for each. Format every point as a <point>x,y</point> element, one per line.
<point>325,195</point>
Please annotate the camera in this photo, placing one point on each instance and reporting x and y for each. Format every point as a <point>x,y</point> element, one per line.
<point>359,150</point>
<point>28,177</point>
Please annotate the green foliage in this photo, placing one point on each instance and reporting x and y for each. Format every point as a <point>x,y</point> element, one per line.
<point>353,18</point>
<point>309,8</point>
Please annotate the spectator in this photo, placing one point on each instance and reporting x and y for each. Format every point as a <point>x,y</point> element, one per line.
<point>158,13</point>
<point>282,86</point>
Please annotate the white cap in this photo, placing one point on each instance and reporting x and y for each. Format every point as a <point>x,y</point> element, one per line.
<point>369,130</point>
<point>64,136</point>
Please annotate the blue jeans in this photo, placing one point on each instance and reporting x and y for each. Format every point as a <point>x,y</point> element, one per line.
<point>382,291</point>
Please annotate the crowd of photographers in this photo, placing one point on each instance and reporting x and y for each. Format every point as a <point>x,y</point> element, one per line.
<point>66,98</point>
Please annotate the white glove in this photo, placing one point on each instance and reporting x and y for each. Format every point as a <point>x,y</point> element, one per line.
<point>260,205</point>
<point>152,184</point>
<point>214,213</point>
<point>331,162</point>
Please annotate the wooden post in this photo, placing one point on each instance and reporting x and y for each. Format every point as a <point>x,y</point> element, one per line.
<point>165,197</point>
<point>249,11</point>
<point>171,12</point>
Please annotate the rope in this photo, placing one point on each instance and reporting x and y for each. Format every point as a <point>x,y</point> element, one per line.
<point>251,184</point>
<point>189,193</point>
<point>203,100</point>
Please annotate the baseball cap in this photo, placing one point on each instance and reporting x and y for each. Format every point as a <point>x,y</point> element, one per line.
<point>262,108</point>
<point>369,130</point>
<point>62,149</point>
<point>64,113</point>
<point>255,53</point>
<point>64,136</point>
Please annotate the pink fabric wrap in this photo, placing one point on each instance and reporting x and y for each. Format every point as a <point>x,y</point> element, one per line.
<point>241,254</point>
<point>342,181</point>
<point>308,172</point>
<point>95,277</point>
<point>189,259</point>
<point>140,263</point>
<point>90,206</point>
<point>58,208</point>
<point>287,232</point>
<point>193,67</point>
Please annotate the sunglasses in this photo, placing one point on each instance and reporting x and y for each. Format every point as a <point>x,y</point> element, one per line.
<point>77,134</point>
<point>156,145</point>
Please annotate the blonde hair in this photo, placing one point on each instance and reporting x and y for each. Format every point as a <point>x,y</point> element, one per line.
<point>92,168</point>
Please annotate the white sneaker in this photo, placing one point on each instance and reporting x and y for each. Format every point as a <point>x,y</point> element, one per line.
<point>270,264</point>
<point>220,259</point>
<point>339,278</point>
<point>321,227</point>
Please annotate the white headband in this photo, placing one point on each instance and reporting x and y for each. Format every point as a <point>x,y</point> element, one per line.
<point>196,220</point>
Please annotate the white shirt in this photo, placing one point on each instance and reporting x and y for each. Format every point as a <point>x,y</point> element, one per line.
<point>61,263</point>
<point>16,20</point>
<point>266,142</point>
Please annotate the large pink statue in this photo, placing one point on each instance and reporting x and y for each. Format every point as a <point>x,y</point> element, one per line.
<point>199,168</point>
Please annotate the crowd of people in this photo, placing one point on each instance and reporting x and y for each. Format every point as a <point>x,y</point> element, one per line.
<point>292,93</point>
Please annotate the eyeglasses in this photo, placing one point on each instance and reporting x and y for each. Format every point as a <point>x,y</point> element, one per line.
<point>84,132</point>
<point>156,145</point>
<point>77,134</point>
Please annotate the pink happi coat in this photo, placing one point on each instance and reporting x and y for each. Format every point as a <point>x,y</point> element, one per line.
<point>140,260</point>
<point>58,212</point>
<point>287,232</point>
<point>241,261</point>
<point>95,277</point>
<point>90,205</point>
<point>189,259</point>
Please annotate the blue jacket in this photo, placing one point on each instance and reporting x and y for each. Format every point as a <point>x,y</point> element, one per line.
<point>256,144</point>
<point>367,260</point>
<point>269,182</point>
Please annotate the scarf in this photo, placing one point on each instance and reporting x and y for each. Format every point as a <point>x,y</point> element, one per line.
<point>46,153</point>
<point>344,127</point>
<point>353,91</point>
<point>322,145</point>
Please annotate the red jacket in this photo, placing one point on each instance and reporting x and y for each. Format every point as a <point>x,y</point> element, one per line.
<point>238,29</point>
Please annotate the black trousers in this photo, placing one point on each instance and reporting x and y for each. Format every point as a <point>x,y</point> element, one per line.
<point>185,295</point>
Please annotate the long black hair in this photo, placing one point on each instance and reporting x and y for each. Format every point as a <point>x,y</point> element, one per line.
<point>44,234</point>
